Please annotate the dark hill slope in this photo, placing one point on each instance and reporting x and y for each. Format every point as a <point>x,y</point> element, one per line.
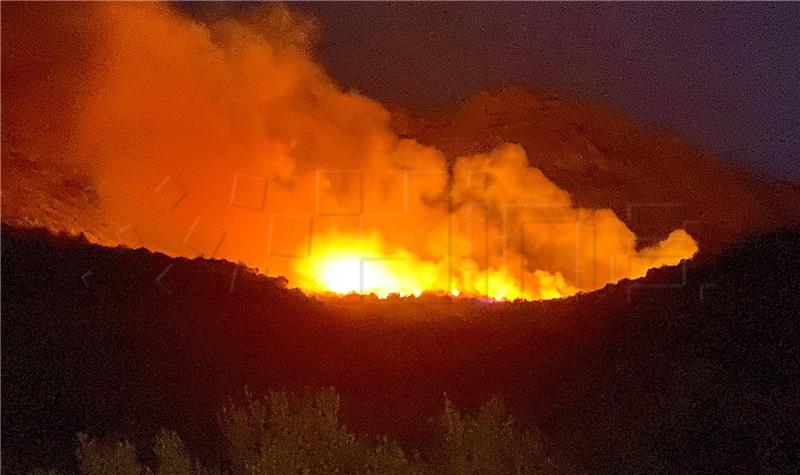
<point>640,376</point>
<point>653,180</point>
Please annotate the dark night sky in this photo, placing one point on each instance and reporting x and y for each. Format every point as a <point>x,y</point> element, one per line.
<point>724,76</point>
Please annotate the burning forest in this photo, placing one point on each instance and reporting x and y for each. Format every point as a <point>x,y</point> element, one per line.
<point>231,142</point>
<point>179,143</point>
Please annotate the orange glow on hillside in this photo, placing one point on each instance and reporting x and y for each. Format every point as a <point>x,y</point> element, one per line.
<point>225,139</point>
<point>345,264</point>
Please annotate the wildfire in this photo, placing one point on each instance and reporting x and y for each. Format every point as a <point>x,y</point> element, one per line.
<point>229,141</point>
<point>346,264</point>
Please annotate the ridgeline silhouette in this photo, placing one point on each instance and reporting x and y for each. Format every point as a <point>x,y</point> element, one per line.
<point>694,367</point>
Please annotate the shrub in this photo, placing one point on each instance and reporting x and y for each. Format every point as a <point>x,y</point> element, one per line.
<point>97,458</point>
<point>171,455</point>
<point>268,435</point>
<point>488,444</point>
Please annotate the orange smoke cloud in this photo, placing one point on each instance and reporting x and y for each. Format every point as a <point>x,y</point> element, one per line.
<point>226,139</point>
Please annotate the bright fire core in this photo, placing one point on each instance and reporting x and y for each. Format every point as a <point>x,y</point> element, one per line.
<point>251,130</point>
<point>346,264</point>
<point>492,228</point>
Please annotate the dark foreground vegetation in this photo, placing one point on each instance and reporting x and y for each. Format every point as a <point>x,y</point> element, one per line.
<point>269,436</point>
<point>694,368</point>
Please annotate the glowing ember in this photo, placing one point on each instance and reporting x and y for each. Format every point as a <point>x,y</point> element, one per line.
<point>346,264</point>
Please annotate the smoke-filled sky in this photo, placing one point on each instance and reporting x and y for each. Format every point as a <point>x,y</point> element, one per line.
<point>722,75</point>
<point>225,138</point>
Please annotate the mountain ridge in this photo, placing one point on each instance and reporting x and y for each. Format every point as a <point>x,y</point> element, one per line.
<point>692,367</point>
<point>653,180</point>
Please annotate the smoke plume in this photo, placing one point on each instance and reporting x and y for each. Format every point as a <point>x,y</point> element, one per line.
<point>224,138</point>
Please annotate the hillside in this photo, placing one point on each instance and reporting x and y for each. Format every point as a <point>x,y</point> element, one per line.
<point>653,180</point>
<point>680,371</point>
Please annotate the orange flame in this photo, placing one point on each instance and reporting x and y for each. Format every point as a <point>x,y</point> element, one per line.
<point>226,139</point>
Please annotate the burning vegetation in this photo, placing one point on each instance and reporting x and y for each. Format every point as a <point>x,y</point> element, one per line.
<point>226,139</point>
<point>220,136</point>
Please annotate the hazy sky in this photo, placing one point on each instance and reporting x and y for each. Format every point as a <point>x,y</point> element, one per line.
<point>724,76</point>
